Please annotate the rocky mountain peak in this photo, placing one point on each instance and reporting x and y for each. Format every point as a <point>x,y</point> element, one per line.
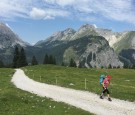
<point>86,27</point>
<point>69,31</point>
<point>4,28</point>
<point>85,30</point>
<point>64,35</point>
<point>8,38</point>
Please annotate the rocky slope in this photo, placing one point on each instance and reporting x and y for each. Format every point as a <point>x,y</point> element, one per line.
<point>8,38</point>
<point>125,47</point>
<point>127,41</point>
<point>118,41</point>
<point>88,46</point>
<point>85,46</point>
<point>64,36</point>
<point>92,51</point>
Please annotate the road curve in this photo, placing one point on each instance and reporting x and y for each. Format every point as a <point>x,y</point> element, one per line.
<point>81,99</point>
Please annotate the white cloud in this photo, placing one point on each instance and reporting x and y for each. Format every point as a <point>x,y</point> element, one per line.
<point>37,13</point>
<point>11,9</point>
<point>86,10</point>
<point>61,2</point>
<point>14,8</point>
<point>119,10</point>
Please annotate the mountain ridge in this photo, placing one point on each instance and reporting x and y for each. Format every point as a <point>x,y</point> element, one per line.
<point>89,46</point>
<point>114,39</point>
<point>84,30</point>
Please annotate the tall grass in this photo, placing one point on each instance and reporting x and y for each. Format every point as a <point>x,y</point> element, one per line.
<point>122,84</point>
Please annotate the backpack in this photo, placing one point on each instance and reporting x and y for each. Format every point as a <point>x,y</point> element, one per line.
<point>102,77</point>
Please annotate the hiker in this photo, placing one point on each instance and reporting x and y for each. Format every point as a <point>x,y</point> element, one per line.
<point>105,85</point>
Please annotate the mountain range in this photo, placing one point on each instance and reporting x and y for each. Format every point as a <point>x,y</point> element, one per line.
<point>88,46</point>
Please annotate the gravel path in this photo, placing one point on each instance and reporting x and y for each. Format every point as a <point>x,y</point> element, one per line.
<point>80,99</point>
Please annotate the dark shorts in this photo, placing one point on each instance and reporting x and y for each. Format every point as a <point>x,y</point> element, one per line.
<point>106,90</point>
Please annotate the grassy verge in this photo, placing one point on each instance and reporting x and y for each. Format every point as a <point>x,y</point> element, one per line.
<point>14,101</point>
<point>122,84</point>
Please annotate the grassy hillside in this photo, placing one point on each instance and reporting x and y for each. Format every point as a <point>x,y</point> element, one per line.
<point>122,84</point>
<point>125,42</point>
<point>14,101</point>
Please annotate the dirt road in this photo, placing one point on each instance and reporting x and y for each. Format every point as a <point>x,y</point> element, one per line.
<point>80,99</point>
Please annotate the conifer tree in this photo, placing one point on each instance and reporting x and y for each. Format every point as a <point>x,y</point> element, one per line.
<point>54,61</point>
<point>15,58</point>
<point>110,66</point>
<point>22,59</point>
<point>133,67</point>
<point>46,59</point>
<point>1,64</point>
<point>34,61</point>
<point>72,63</point>
<point>80,65</point>
<point>62,64</point>
<point>50,59</point>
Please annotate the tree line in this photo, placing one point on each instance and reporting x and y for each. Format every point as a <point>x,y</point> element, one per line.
<point>48,59</point>
<point>20,60</point>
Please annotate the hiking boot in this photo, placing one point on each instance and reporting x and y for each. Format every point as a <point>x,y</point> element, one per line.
<point>109,99</point>
<point>101,97</point>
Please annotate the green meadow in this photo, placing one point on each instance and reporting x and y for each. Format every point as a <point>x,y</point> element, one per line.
<point>14,101</point>
<point>122,84</point>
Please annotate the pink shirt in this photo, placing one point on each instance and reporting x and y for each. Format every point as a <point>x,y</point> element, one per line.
<point>105,82</point>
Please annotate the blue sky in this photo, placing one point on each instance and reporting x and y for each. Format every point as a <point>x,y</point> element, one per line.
<point>35,20</point>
